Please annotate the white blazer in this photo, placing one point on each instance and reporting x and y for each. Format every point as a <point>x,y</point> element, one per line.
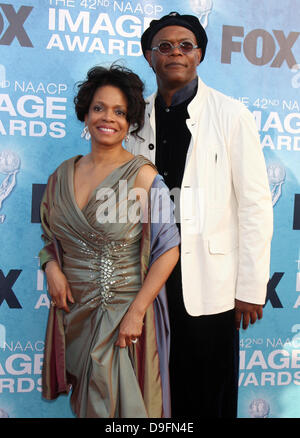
<point>225,204</point>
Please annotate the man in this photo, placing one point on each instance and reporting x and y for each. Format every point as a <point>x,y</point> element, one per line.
<point>207,145</point>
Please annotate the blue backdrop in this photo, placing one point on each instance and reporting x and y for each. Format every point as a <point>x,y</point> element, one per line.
<point>46,47</point>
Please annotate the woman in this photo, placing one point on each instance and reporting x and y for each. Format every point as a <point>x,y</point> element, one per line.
<point>106,334</point>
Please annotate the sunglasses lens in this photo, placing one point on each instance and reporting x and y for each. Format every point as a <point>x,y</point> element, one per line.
<point>186,46</point>
<point>165,48</point>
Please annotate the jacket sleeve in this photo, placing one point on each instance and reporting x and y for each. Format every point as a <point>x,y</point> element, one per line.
<point>255,211</point>
<point>48,252</point>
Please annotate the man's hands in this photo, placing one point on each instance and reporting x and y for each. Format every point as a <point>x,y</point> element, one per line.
<point>247,312</point>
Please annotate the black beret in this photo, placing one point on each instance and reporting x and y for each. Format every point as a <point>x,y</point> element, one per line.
<point>175,19</point>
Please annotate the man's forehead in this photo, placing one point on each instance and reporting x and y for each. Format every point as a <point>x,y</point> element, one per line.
<point>173,33</point>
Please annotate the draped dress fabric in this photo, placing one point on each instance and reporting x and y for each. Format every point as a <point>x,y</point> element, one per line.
<point>105,257</point>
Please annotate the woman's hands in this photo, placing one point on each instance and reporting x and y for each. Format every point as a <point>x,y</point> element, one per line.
<point>132,324</point>
<point>58,286</point>
<point>130,328</point>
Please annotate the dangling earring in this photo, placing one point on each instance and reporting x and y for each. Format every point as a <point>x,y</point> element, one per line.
<point>126,138</point>
<point>85,133</point>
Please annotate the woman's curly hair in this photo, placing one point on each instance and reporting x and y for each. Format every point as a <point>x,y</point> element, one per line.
<point>120,77</point>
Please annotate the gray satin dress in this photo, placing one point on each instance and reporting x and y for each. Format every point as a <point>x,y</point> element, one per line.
<point>102,263</point>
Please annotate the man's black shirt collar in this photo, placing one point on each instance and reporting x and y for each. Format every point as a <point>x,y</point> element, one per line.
<point>181,95</point>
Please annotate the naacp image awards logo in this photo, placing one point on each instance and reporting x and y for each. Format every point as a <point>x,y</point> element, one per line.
<point>9,166</point>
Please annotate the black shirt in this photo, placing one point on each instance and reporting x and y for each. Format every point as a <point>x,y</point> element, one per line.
<point>172,135</point>
<point>172,142</point>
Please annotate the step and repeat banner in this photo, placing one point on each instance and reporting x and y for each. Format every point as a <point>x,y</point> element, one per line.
<point>46,46</point>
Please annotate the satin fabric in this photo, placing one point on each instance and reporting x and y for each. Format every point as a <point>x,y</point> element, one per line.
<point>105,265</point>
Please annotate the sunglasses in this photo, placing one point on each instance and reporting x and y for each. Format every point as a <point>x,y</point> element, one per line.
<point>166,48</point>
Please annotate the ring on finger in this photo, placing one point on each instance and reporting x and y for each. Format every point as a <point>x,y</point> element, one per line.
<point>134,341</point>
<point>53,303</point>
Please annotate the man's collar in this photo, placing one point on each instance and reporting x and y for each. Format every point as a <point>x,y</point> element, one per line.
<point>181,95</point>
